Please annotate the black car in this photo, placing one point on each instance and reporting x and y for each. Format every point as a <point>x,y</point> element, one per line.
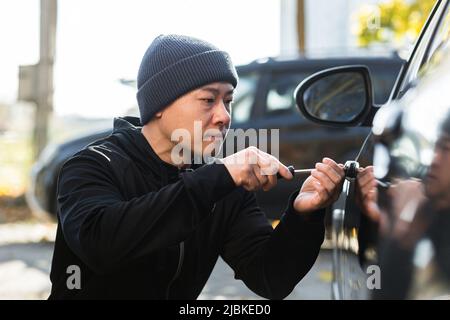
<point>264,100</point>
<point>404,252</point>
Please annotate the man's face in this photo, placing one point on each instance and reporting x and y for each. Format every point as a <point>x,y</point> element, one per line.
<point>437,186</point>
<point>203,113</point>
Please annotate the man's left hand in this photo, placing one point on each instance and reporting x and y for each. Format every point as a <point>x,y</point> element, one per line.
<point>367,193</point>
<point>321,188</point>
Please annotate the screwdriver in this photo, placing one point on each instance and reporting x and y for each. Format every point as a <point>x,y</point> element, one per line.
<point>295,171</point>
<point>307,171</point>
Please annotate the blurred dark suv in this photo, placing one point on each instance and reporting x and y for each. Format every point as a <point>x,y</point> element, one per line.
<point>264,100</point>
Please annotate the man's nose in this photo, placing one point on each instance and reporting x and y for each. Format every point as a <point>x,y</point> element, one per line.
<point>222,115</point>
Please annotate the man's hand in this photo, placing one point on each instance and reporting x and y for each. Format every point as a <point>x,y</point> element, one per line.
<point>254,169</point>
<point>367,193</point>
<point>321,188</point>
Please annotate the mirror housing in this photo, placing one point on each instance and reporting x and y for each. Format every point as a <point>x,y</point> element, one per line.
<point>320,97</point>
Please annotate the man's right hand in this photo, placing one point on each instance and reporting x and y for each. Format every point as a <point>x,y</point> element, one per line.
<point>254,169</point>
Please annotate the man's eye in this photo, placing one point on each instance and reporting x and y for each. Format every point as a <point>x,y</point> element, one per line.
<point>209,100</point>
<point>443,145</point>
<point>446,147</point>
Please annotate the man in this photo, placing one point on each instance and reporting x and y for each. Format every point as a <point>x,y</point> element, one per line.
<point>134,222</point>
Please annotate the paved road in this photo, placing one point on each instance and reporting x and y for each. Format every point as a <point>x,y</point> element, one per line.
<point>316,284</point>
<point>25,265</point>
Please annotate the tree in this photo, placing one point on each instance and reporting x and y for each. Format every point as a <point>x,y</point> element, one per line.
<point>394,21</point>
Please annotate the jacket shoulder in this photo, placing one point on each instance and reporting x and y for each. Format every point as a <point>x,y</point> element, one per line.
<point>103,153</point>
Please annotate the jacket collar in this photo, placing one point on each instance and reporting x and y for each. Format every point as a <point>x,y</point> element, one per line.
<point>128,131</point>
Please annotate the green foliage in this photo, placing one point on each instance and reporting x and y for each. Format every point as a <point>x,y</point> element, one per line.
<point>393,21</point>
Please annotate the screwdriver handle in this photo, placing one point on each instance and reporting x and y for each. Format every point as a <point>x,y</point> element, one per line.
<point>291,170</point>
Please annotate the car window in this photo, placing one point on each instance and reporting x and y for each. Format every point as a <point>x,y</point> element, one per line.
<point>280,97</point>
<point>383,81</point>
<point>417,61</point>
<point>439,46</point>
<point>244,98</point>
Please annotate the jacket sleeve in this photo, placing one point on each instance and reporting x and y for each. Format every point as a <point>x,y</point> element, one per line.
<point>272,261</point>
<point>105,230</point>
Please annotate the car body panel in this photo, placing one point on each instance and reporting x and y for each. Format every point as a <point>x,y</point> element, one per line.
<point>412,220</point>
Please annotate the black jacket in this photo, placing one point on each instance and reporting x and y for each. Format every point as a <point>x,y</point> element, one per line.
<point>138,227</point>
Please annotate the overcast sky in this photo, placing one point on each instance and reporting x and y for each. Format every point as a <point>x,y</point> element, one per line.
<point>101,41</point>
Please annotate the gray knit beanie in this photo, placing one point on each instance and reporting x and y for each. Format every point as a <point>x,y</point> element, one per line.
<point>174,65</point>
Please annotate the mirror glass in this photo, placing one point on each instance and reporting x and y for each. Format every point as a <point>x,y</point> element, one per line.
<point>338,97</point>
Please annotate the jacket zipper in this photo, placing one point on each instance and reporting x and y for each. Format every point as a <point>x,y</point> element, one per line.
<point>177,273</point>
<point>181,256</point>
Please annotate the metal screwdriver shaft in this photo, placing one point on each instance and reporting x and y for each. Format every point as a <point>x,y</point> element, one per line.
<point>295,171</point>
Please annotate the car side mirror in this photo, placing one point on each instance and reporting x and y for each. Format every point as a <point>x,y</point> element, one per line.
<point>340,96</point>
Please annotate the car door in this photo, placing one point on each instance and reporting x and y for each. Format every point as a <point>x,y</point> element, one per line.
<point>413,155</point>
<point>354,260</point>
